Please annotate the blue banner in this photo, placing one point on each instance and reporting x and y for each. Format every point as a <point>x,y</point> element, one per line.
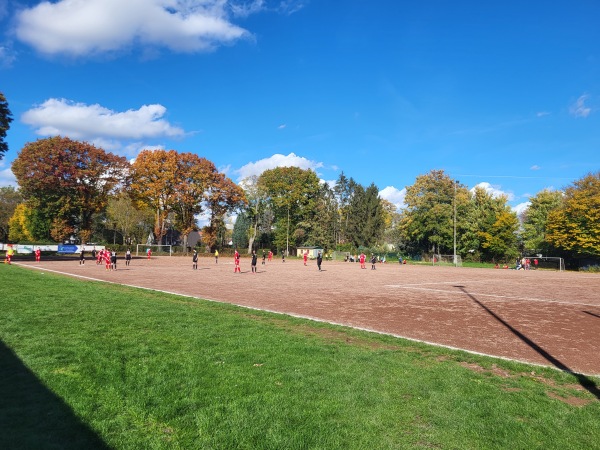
<point>67,248</point>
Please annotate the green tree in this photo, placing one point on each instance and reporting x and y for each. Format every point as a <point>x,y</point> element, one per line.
<point>68,181</point>
<point>128,219</point>
<point>366,221</point>
<point>535,218</point>
<point>428,221</point>
<point>574,227</point>
<point>223,197</point>
<point>292,193</point>
<point>343,189</point>
<point>5,120</point>
<point>9,199</point>
<point>241,230</point>
<point>255,211</point>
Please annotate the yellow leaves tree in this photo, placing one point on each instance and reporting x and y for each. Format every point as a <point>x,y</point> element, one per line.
<point>180,185</point>
<point>575,225</point>
<point>18,225</point>
<point>152,183</point>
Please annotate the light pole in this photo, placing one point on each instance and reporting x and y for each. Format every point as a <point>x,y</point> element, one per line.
<point>454,255</point>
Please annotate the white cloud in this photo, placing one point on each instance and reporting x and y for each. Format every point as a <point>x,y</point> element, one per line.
<point>578,109</point>
<point>7,178</point>
<point>84,27</point>
<point>282,126</point>
<point>542,114</point>
<point>7,56</point>
<point>277,160</point>
<point>535,167</point>
<point>494,190</point>
<point>521,207</point>
<point>394,195</point>
<point>81,121</point>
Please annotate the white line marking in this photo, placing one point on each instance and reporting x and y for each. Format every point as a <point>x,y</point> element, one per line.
<point>479,294</point>
<point>315,319</point>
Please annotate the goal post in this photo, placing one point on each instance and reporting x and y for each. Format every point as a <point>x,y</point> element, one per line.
<point>446,260</point>
<point>157,250</point>
<point>547,262</point>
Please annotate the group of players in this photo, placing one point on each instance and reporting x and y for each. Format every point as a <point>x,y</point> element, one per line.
<point>106,256</point>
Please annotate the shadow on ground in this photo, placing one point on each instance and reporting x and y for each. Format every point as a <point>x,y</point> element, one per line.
<point>585,382</point>
<point>32,417</point>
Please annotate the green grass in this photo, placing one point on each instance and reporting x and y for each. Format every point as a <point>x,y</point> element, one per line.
<point>89,365</point>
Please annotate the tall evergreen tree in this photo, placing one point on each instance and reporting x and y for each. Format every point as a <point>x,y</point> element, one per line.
<point>5,120</point>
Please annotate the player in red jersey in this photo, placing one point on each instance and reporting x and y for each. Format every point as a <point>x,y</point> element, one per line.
<point>236,261</point>
<point>38,254</point>
<point>107,261</point>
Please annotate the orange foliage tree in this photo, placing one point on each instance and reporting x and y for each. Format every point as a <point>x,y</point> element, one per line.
<point>180,185</point>
<point>67,182</point>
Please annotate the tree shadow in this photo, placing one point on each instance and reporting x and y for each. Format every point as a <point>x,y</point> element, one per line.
<point>31,416</point>
<point>585,382</point>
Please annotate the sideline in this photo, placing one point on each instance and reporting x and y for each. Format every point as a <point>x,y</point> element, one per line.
<point>314,319</point>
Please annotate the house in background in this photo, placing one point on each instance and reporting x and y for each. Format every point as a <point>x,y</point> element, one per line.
<point>312,252</point>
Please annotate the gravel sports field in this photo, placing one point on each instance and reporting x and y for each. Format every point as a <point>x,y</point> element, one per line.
<point>543,317</point>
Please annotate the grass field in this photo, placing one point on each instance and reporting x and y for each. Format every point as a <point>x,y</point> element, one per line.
<point>90,365</point>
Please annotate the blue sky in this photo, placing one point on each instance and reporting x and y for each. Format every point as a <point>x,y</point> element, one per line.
<point>500,94</point>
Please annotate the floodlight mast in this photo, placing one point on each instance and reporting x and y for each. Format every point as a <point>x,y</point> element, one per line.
<point>454,254</point>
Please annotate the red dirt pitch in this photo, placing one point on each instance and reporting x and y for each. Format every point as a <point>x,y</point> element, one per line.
<point>543,317</point>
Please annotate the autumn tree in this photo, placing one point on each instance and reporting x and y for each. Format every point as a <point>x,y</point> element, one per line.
<point>9,199</point>
<point>5,120</point>
<point>535,219</point>
<point>68,182</point>
<point>574,227</point>
<point>152,183</point>
<point>19,229</point>
<point>223,197</point>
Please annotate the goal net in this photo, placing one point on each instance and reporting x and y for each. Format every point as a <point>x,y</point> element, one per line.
<point>446,260</point>
<point>547,262</point>
<point>157,250</point>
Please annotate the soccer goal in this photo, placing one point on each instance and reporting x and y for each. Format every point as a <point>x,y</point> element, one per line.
<point>547,262</point>
<point>157,250</point>
<point>446,260</point>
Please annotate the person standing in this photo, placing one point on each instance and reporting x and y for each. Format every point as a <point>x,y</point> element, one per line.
<point>81,257</point>
<point>217,256</point>
<point>362,259</point>
<point>373,261</point>
<point>107,257</point>
<point>253,264</point>
<point>149,253</point>
<point>264,258</point>
<point>319,260</point>
<point>195,260</point>
<point>94,253</point>
<point>282,256</point>
<point>38,254</point>
<point>10,251</point>
<point>113,260</point>
<point>236,261</point>
<point>127,257</point>
<point>270,255</point>
<point>305,256</point>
